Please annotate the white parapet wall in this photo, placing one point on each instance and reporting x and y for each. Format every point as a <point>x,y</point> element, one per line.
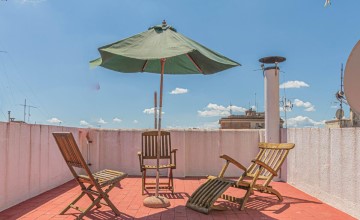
<point>30,162</point>
<point>325,163</point>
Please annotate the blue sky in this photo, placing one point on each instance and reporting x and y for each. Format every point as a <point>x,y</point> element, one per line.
<point>49,45</point>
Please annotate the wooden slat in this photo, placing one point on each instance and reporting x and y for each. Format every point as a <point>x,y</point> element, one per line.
<point>205,196</point>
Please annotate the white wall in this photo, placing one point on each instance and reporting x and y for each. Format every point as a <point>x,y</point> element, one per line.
<point>325,163</point>
<point>30,162</point>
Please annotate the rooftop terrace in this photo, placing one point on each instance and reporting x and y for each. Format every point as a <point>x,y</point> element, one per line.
<point>127,197</point>
<point>321,172</point>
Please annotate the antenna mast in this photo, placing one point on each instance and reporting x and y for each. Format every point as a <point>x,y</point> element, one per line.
<point>29,106</point>
<point>256,107</point>
<point>341,86</point>
<point>286,105</point>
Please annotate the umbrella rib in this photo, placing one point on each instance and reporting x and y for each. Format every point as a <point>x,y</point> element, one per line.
<point>191,59</point>
<point>144,66</point>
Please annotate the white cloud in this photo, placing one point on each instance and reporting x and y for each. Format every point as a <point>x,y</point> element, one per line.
<point>307,105</point>
<point>293,84</point>
<point>207,125</point>
<point>210,125</point>
<point>310,109</point>
<point>32,1</point>
<point>150,111</point>
<point>54,121</point>
<point>303,121</point>
<point>287,110</point>
<point>212,110</point>
<point>101,121</point>
<point>334,106</point>
<point>117,120</point>
<point>179,91</point>
<point>299,103</point>
<point>135,121</point>
<point>85,123</point>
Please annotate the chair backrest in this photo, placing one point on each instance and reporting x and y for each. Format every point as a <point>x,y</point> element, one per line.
<point>71,153</point>
<point>149,143</point>
<point>272,155</point>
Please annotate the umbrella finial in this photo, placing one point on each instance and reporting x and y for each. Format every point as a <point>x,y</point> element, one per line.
<point>164,23</point>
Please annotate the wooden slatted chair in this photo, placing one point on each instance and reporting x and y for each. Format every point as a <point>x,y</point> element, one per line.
<point>148,152</point>
<point>264,167</point>
<point>95,181</point>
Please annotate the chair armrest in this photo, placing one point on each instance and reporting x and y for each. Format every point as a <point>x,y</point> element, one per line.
<point>140,160</point>
<point>173,151</point>
<point>233,161</point>
<point>262,164</point>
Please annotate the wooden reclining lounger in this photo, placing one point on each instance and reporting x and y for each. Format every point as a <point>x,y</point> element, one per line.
<point>264,167</point>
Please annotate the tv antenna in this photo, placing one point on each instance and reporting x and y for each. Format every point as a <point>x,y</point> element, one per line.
<point>340,96</point>
<point>29,107</point>
<point>286,105</point>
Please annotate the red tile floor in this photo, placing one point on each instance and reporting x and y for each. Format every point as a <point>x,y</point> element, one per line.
<point>128,199</point>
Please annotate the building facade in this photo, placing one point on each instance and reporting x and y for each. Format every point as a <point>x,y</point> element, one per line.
<point>353,121</point>
<point>251,120</point>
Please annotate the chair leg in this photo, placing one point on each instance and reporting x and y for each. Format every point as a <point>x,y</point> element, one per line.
<point>143,181</point>
<point>105,196</point>
<point>96,201</point>
<point>72,203</point>
<point>245,198</point>
<point>171,181</point>
<point>275,192</point>
<point>92,197</point>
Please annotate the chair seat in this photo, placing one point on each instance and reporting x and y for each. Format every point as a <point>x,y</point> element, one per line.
<point>239,184</point>
<point>166,166</point>
<point>106,177</point>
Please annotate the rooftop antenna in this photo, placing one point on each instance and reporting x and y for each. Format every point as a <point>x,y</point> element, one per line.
<point>231,112</point>
<point>340,96</point>
<point>24,109</point>
<point>256,107</point>
<point>29,106</point>
<point>286,105</point>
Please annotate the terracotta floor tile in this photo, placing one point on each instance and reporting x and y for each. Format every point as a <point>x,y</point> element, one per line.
<point>129,200</point>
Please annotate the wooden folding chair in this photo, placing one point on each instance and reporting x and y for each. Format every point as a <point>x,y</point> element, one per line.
<point>148,152</point>
<point>264,167</point>
<point>96,181</point>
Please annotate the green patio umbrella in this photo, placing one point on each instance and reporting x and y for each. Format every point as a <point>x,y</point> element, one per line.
<point>161,49</point>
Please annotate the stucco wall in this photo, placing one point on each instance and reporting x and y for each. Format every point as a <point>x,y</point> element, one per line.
<point>30,162</point>
<point>325,163</point>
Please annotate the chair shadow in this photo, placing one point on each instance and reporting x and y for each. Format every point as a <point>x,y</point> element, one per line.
<point>33,203</point>
<point>261,203</point>
<point>175,195</point>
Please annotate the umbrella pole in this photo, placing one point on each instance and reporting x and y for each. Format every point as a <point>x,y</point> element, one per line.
<point>162,61</point>
<point>155,110</point>
<point>158,201</point>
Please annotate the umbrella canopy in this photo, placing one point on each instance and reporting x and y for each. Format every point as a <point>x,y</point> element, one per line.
<point>142,52</point>
<point>149,52</point>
